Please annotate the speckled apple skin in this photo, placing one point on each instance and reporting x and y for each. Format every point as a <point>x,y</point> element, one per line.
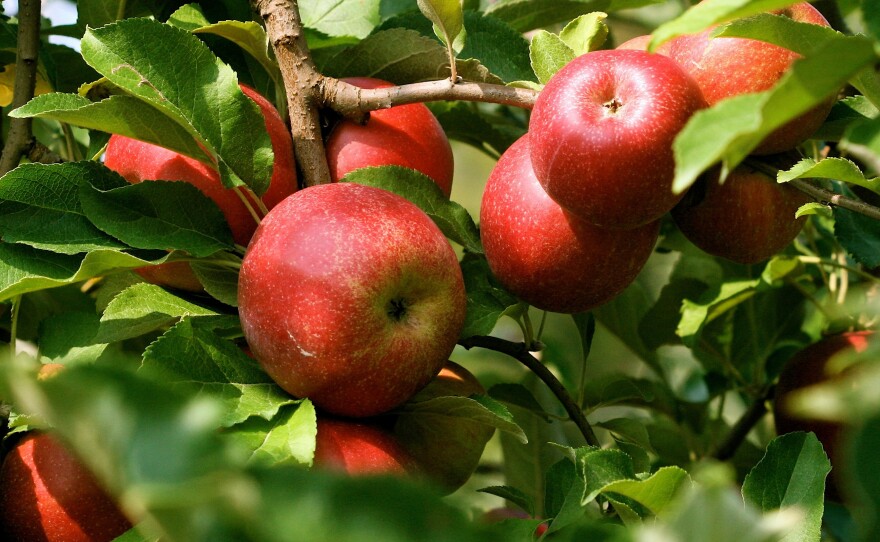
<point>139,161</point>
<point>316,287</point>
<point>547,256</point>
<point>360,449</point>
<point>726,67</point>
<point>747,219</point>
<point>405,135</point>
<point>47,495</point>
<point>613,168</point>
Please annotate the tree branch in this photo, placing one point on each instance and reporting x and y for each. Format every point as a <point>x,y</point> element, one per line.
<point>302,82</point>
<point>743,426</point>
<point>836,200</point>
<point>520,352</point>
<point>20,139</point>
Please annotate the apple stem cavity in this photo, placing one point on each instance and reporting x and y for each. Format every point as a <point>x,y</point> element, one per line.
<point>397,309</point>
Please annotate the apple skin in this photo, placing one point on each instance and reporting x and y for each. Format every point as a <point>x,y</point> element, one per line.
<point>405,135</point>
<point>360,449</point>
<point>351,296</point>
<point>747,219</point>
<point>447,450</point>
<point>547,256</point>
<point>138,161</point>
<point>601,135</point>
<point>47,495</point>
<point>806,368</point>
<point>726,67</point>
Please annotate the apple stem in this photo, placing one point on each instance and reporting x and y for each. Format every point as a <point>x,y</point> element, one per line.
<point>249,202</point>
<point>520,352</point>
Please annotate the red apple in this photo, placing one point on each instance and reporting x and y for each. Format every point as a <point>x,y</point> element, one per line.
<point>747,219</point>
<point>806,368</point>
<point>547,256</point>
<point>404,135</point>
<point>446,447</point>
<point>602,131</point>
<point>359,449</point>
<point>139,161</point>
<point>638,43</point>
<point>47,495</point>
<point>725,67</point>
<point>351,296</point>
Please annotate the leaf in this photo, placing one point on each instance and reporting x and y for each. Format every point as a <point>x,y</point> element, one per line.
<point>696,314</point>
<point>840,169</point>
<point>859,235</point>
<point>814,208</point>
<point>133,55</point>
<point>341,17</point>
<point>220,281</point>
<point>68,338</point>
<point>549,54</point>
<point>654,493</point>
<point>452,219</point>
<point>525,15</point>
<point>628,430</point>
<point>118,114</point>
<point>478,408</point>
<point>791,476</point>
<point>487,301</point>
<point>520,396</point>
<point>599,468</point>
<point>167,215</point>
<point>802,38</point>
<point>586,33</point>
<point>286,439</point>
<point>747,119</point>
<point>471,125</point>
<point>401,56</point>
<point>512,494</point>
<point>448,20</point>
<point>705,14</point>
<point>563,492</point>
<point>40,207</point>
<point>845,114</point>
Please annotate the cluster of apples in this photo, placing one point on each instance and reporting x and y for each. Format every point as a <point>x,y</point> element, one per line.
<point>570,212</point>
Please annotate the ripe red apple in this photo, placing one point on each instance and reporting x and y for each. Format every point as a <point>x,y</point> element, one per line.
<point>638,43</point>
<point>725,67</point>
<point>404,135</point>
<point>360,449</point>
<point>547,256</point>
<point>747,219</point>
<point>351,296</point>
<point>601,135</point>
<point>806,368</point>
<point>446,447</point>
<point>47,495</point>
<point>139,161</point>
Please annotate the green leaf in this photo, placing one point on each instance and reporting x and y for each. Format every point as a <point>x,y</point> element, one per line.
<point>286,439</point>
<point>814,208</point>
<point>654,493</point>
<point>194,358</point>
<point>802,38</point>
<point>525,15</point>
<point>563,493</point>
<point>549,54</point>
<point>599,468</point>
<point>40,207</point>
<point>845,114</point>
<point>220,281</point>
<point>118,114</point>
<point>705,14</point>
<point>448,20</point>
<point>480,408</point>
<point>839,169</point>
<point>133,55</point>
<point>731,129</point>
<point>452,219</point>
<point>520,396</point>
<point>341,17</point>
<point>791,476</point>
<point>402,56</point>
<point>487,301</point>
<point>628,430</point>
<point>163,215</point>
<point>586,33</point>
<point>25,269</point>
<point>859,235</point>
<point>68,338</point>
<point>697,314</point>
<point>472,125</point>
<point>514,495</point>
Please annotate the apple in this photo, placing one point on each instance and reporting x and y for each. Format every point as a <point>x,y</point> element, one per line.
<point>358,448</point>
<point>601,135</point>
<point>638,43</point>
<point>806,368</point>
<point>747,219</point>
<point>446,447</point>
<point>47,495</point>
<point>725,67</point>
<point>546,255</point>
<point>140,161</point>
<point>351,296</point>
<point>404,135</point>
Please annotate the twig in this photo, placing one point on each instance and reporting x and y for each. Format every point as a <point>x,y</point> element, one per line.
<point>520,352</point>
<point>19,139</point>
<point>834,199</point>
<point>743,426</point>
<point>301,82</point>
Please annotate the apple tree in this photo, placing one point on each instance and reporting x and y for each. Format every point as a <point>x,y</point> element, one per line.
<point>439,270</point>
